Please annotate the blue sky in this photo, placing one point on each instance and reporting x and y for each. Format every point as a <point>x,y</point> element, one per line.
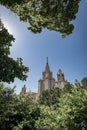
<point>69,54</point>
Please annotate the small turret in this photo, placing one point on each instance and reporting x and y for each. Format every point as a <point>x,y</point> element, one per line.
<point>23,91</point>
<point>77,84</point>
<point>60,76</point>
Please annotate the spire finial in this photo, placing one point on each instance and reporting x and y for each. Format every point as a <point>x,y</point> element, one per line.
<point>47,68</point>
<point>47,60</point>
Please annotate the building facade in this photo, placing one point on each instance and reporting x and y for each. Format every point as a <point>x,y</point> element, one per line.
<point>47,81</point>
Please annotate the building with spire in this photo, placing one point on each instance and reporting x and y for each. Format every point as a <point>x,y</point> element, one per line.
<point>47,81</point>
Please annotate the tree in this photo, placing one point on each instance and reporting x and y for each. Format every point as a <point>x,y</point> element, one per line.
<point>28,111</point>
<point>8,101</point>
<point>67,88</point>
<point>50,97</point>
<point>84,81</point>
<point>72,111</point>
<point>51,14</point>
<point>47,120</point>
<point>17,112</point>
<point>9,68</point>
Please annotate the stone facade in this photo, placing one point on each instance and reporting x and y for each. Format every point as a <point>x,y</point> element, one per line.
<point>48,82</point>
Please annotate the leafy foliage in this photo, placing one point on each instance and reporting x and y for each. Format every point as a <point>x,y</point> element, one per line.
<point>47,120</point>
<point>51,14</point>
<point>28,111</point>
<point>84,81</point>
<point>67,88</point>
<point>17,112</point>
<point>50,97</point>
<point>72,112</point>
<point>7,108</point>
<point>9,68</point>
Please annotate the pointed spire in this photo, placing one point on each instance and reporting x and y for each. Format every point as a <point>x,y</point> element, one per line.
<point>47,60</point>
<point>47,68</point>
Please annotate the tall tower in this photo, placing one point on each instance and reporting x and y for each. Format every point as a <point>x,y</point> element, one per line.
<point>47,82</point>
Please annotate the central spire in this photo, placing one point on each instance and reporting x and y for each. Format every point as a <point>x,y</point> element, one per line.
<point>47,68</point>
<point>47,60</point>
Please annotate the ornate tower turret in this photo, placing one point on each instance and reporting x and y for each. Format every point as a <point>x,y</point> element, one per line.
<point>60,76</point>
<point>23,91</point>
<point>60,83</point>
<point>77,84</point>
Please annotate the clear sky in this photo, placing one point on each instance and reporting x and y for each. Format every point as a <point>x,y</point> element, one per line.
<point>69,54</point>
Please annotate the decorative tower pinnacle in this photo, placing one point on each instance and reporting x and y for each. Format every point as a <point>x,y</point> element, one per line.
<point>60,76</point>
<point>47,68</point>
<point>23,91</point>
<point>47,60</point>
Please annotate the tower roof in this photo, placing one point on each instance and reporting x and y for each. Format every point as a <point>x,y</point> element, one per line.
<point>47,68</point>
<point>60,71</point>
